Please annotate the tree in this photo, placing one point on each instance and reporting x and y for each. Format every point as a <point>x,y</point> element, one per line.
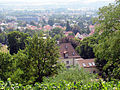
<point>71,75</point>
<point>3,38</point>
<point>43,54</point>
<point>33,23</point>
<point>108,56</point>
<point>68,28</point>
<point>76,29</point>
<point>107,49</point>
<point>16,41</point>
<point>5,65</point>
<point>50,22</point>
<point>37,60</point>
<point>85,49</point>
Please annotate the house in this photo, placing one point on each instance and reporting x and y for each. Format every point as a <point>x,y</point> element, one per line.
<point>68,54</point>
<point>88,64</point>
<point>91,27</point>
<point>79,36</point>
<point>47,28</point>
<point>92,30</point>
<point>67,33</point>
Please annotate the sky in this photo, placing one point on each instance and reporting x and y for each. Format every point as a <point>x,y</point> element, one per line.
<point>55,3</point>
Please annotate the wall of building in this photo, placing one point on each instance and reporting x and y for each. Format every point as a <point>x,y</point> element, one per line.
<point>68,62</point>
<point>92,70</point>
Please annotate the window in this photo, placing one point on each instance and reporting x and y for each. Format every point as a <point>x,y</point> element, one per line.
<point>93,63</point>
<point>73,53</point>
<point>66,46</point>
<point>94,71</point>
<point>67,62</point>
<point>84,64</point>
<point>90,64</point>
<point>66,55</point>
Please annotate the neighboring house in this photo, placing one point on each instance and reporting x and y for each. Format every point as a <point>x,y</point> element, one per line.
<point>68,54</point>
<point>92,29</point>
<point>88,64</point>
<point>47,28</point>
<point>67,33</point>
<point>79,36</point>
<point>32,27</point>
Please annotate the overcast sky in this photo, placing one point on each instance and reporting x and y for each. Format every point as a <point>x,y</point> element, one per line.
<point>54,1</point>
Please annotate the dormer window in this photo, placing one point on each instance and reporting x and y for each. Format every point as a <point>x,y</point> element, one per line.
<point>93,63</point>
<point>66,46</point>
<point>90,64</point>
<point>73,53</point>
<point>66,55</point>
<point>84,64</point>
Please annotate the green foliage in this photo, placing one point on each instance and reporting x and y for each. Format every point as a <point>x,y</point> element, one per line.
<point>108,55</point>
<point>71,75</point>
<point>33,23</point>
<point>108,48</point>
<point>63,85</point>
<point>16,41</point>
<point>39,59</point>
<point>56,33</point>
<point>68,28</point>
<point>85,49</point>
<point>43,56</point>
<point>30,65</point>
<point>50,22</point>
<point>3,38</point>
<point>5,65</point>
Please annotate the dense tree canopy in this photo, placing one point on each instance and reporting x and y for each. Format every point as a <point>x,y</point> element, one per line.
<point>5,65</point>
<point>51,22</point>
<point>16,41</point>
<point>107,51</point>
<point>38,59</point>
<point>43,56</point>
<point>68,28</point>
<point>85,49</point>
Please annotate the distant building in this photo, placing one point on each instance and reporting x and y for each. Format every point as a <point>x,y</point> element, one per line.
<point>67,33</point>
<point>27,19</point>
<point>79,36</point>
<point>92,29</point>
<point>68,54</point>
<point>47,28</point>
<point>88,64</point>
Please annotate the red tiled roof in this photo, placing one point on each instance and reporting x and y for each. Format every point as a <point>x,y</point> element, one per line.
<point>86,63</point>
<point>91,26</point>
<point>48,27</point>
<point>67,47</point>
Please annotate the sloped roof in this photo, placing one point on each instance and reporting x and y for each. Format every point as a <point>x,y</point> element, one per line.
<point>48,27</point>
<point>78,35</point>
<point>67,47</point>
<point>86,63</point>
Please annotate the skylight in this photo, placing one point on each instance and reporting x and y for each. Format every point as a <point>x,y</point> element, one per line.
<point>90,64</point>
<point>84,64</point>
<point>93,63</point>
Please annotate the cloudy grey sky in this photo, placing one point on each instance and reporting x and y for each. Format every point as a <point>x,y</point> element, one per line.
<point>55,3</point>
